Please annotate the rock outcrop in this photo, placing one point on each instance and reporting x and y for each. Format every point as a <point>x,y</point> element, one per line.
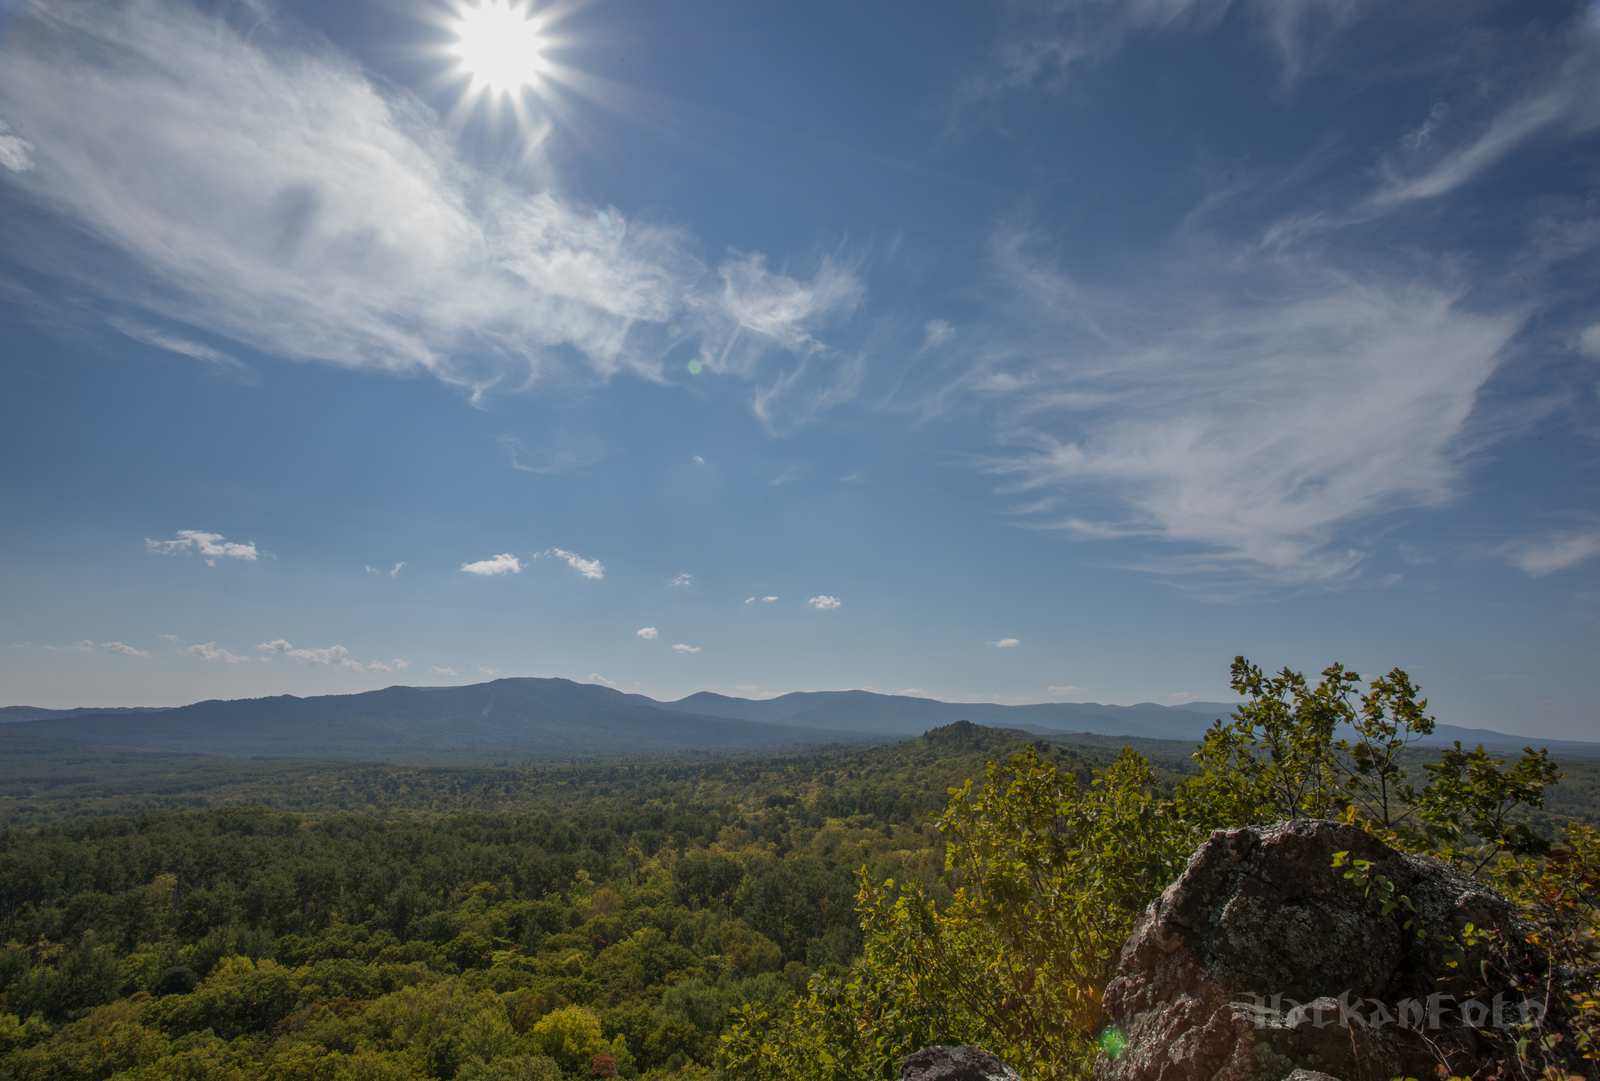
<point>1263,961</point>
<point>955,1064</point>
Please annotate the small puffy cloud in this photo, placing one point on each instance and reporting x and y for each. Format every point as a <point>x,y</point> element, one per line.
<point>596,677</point>
<point>14,151</point>
<point>647,632</point>
<point>125,650</point>
<point>436,671</point>
<point>589,568</point>
<point>208,651</point>
<point>1556,553</point>
<point>914,690</point>
<point>681,648</point>
<point>174,639</point>
<point>391,574</point>
<point>699,460</point>
<point>749,600</point>
<point>488,671</point>
<point>1179,697</point>
<point>823,603</point>
<point>1006,643</point>
<point>396,665</point>
<point>1068,689</point>
<point>768,600</point>
<point>330,655</point>
<point>504,563</point>
<point>85,646</point>
<point>682,579</point>
<point>210,545</point>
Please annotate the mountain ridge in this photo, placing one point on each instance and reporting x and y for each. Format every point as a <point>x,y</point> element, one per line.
<point>562,716</point>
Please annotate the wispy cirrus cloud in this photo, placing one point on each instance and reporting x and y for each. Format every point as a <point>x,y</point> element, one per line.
<point>504,563</point>
<point>682,580</point>
<point>1264,404</point>
<point>269,192</point>
<point>1556,552</point>
<point>1007,643</point>
<point>210,545</point>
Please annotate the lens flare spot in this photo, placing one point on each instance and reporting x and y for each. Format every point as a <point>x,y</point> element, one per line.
<point>674,330</point>
<point>1112,1042</point>
<point>695,367</point>
<point>605,219</point>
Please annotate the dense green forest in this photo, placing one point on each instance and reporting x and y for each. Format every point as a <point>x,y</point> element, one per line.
<point>777,915</point>
<point>481,921</point>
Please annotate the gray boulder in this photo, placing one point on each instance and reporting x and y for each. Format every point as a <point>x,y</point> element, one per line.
<point>955,1064</point>
<point>1263,962</point>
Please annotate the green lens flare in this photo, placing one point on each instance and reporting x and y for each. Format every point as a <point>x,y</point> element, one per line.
<point>674,330</point>
<point>694,367</point>
<point>1112,1041</point>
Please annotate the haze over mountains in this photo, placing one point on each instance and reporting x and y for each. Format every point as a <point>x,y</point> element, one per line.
<point>558,716</point>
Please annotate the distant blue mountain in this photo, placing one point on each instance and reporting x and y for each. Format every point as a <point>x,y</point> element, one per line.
<point>558,716</point>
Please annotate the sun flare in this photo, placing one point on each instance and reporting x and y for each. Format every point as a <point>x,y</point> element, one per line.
<point>498,45</point>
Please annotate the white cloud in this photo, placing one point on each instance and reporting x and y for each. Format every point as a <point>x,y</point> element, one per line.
<point>1006,643</point>
<point>1557,552</point>
<point>172,638</point>
<point>681,580</point>
<point>85,646</point>
<point>125,650</point>
<point>681,648</point>
<point>504,563</point>
<point>1589,340</point>
<point>596,677</point>
<point>1179,697</point>
<point>390,573</point>
<point>183,346</point>
<point>1251,405</point>
<point>749,600</point>
<point>208,651</point>
<point>211,545</point>
<point>768,600</point>
<point>646,632</point>
<point>936,332</point>
<point>699,460</point>
<point>824,603</point>
<point>436,671</point>
<point>271,193</point>
<point>747,688</point>
<point>1566,103</point>
<point>491,672</point>
<point>14,151</point>
<point>1068,689</point>
<point>330,655</point>
<point>917,691</point>
<point>589,568</point>
<point>396,665</point>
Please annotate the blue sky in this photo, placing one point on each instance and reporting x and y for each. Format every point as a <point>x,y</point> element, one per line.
<point>1013,352</point>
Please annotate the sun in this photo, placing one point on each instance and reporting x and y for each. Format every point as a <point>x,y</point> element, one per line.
<point>498,45</point>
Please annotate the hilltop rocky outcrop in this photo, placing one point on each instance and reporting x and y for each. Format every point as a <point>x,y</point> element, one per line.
<point>1264,961</point>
